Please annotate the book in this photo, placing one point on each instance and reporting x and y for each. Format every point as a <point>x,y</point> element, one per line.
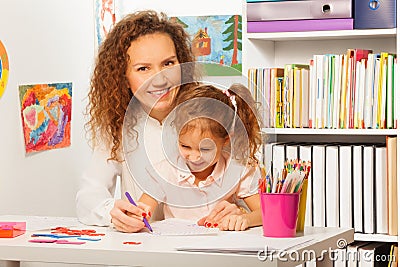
<point>312,94</point>
<point>369,87</point>
<point>343,94</point>
<point>382,90</point>
<point>274,74</point>
<point>390,92</point>
<point>319,68</point>
<point>279,102</point>
<point>354,56</point>
<point>305,96</point>
<point>300,25</point>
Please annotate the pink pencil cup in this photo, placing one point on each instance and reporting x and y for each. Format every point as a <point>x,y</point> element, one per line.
<point>279,213</point>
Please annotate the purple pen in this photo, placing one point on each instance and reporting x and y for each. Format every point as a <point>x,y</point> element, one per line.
<point>133,203</point>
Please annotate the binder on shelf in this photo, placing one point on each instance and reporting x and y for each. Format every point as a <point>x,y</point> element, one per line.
<point>375,255</point>
<point>332,186</point>
<point>357,189</point>
<point>294,10</point>
<point>393,261</point>
<point>340,259</point>
<point>391,147</point>
<point>292,151</point>
<point>353,253</point>
<point>345,186</point>
<point>278,156</point>
<point>305,153</point>
<point>300,25</point>
<point>381,192</point>
<point>318,163</point>
<point>368,189</point>
<point>374,14</point>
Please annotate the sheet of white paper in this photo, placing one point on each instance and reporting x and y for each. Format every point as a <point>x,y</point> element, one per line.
<point>242,243</point>
<point>179,227</point>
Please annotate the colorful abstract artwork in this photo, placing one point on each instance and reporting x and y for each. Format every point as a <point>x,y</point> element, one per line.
<point>3,68</point>
<point>216,39</point>
<point>104,18</point>
<point>46,115</point>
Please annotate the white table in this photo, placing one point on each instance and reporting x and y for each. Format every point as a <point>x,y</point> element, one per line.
<point>154,250</point>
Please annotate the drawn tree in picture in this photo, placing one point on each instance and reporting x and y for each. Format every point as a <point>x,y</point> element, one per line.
<point>176,19</point>
<point>234,36</point>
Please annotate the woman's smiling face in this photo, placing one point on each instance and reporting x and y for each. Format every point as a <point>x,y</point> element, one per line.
<point>153,73</point>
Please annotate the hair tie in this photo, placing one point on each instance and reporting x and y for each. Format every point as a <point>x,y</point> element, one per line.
<point>234,104</point>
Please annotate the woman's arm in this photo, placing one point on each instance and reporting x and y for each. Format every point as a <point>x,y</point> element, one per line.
<point>95,196</point>
<point>128,218</point>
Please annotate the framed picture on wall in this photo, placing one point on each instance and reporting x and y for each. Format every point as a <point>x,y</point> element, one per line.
<point>216,40</point>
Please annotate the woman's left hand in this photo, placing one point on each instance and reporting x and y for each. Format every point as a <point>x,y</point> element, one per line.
<point>221,213</point>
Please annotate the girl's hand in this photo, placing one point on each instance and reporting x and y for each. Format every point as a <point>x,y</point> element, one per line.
<point>222,210</point>
<point>127,217</point>
<point>235,223</point>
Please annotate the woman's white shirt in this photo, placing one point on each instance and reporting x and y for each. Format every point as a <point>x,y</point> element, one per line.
<point>95,196</point>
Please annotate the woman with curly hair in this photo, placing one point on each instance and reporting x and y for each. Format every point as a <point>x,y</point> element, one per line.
<point>139,46</point>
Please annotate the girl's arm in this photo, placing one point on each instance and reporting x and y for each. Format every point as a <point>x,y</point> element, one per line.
<point>254,217</point>
<point>150,204</point>
<point>243,221</point>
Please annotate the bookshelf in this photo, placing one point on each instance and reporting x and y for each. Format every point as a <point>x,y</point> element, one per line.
<point>269,50</point>
<point>324,35</point>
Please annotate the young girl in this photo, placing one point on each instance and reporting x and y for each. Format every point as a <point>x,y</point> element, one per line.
<point>139,46</point>
<point>212,125</point>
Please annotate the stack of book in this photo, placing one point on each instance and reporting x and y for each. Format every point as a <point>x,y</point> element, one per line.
<point>354,90</point>
<point>298,15</point>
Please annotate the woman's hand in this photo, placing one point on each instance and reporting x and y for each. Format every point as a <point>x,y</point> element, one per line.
<point>127,217</point>
<point>221,213</point>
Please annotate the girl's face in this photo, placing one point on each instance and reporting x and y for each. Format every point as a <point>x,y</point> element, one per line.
<point>200,149</point>
<point>153,73</point>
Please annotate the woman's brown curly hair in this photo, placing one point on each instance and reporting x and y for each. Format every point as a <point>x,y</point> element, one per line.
<point>109,93</point>
<point>203,106</point>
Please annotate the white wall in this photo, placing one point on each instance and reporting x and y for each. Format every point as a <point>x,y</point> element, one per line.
<point>53,41</point>
<point>47,41</point>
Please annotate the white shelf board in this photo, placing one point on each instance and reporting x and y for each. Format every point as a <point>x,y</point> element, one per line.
<point>308,131</point>
<point>323,35</point>
<point>375,237</point>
